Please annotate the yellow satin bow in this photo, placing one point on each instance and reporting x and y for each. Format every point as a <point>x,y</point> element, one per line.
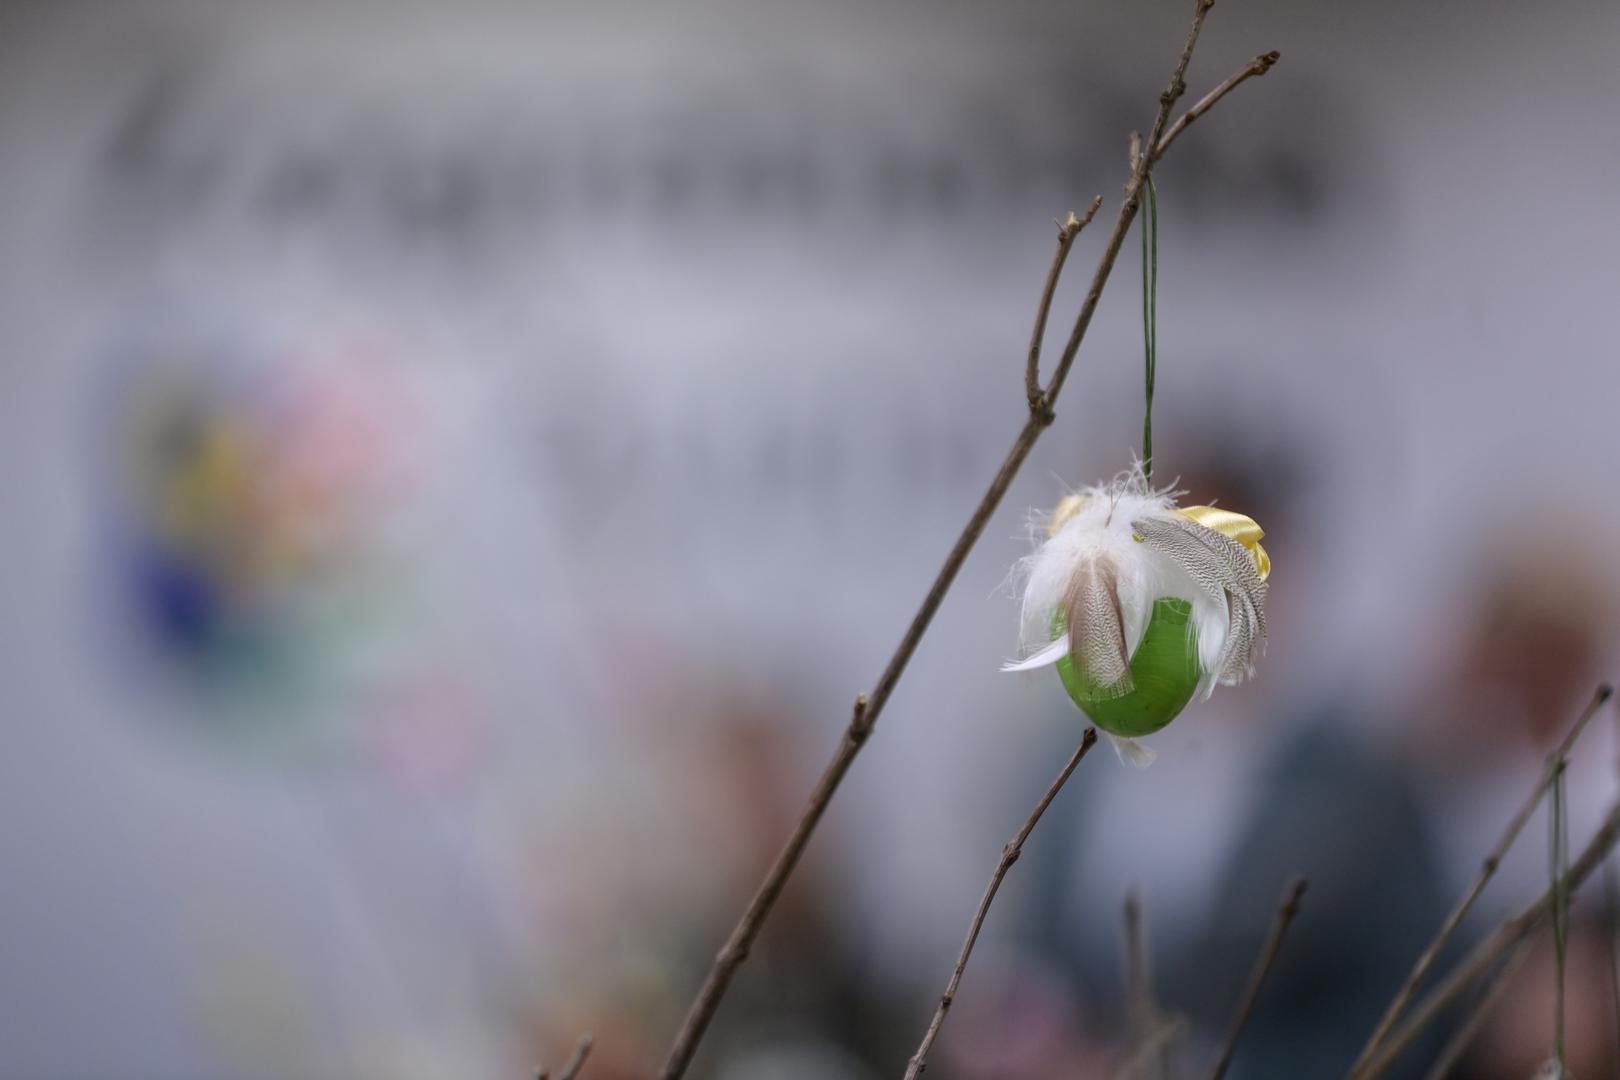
<point>1245,530</point>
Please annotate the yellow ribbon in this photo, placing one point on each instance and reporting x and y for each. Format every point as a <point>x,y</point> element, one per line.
<point>1067,507</point>
<point>1245,530</point>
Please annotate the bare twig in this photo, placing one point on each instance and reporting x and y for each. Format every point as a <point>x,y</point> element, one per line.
<point>1611,921</point>
<point>1146,1027</point>
<point>736,949</point>
<point>1482,1010</point>
<point>1009,855</point>
<point>1558,866</point>
<point>1262,967</point>
<point>869,707</point>
<point>1256,67</point>
<point>1487,870</point>
<point>1066,236</point>
<point>1127,209</point>
<point>575,1063</point>
<point>1156,1045</point>
<point>1138,980</point>
<point>1611,924</point>
<point>1507,935</point>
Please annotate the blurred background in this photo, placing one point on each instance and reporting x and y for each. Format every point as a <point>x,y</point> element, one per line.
<point>460,463</point>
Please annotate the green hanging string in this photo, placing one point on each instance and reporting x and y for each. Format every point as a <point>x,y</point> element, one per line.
<point>1150,314</point>
<point>1558,865</point>
<point>1611,918</point>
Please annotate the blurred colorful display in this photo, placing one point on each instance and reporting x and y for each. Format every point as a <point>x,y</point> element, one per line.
<point>250,496</point>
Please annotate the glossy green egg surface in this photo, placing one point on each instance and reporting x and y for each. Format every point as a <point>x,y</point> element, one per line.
<point>1164,668</point>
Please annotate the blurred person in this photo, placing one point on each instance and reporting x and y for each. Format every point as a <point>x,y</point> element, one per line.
<point>1525,648</point>
<point>232,156</point>
<point>1521,654</point>
<point>1387,817</point>
<point>1251,788</point>
<point>1342,808</point>
<point>1330,799</point>
<point>636,927</point>
<point>1391,821</point>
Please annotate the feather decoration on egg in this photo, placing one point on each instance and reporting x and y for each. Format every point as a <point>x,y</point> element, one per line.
<point>1141,605</point>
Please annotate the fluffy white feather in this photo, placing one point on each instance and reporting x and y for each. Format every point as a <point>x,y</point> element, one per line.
<point>1133,751</point>
<point>1100,524</point>
<point>1046,657</point>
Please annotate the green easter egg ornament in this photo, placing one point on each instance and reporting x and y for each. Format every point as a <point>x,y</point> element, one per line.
<point>1165,670</point>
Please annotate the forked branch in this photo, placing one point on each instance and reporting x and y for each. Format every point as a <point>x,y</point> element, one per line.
<point>575,1063</point>
<point>870,707</point>
<point>1067,232</point>
<point>1487,870</point>
<point>1262,967</point>
<point>1009,855</point>
<point>1253,69</point>
<point>1506,936</point>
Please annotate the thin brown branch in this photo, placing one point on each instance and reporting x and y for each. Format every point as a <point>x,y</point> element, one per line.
<point>868,709</point>
<point>736,948</point>
<point>1138,979</point>
<point>1009,855</point>
<point>1262,967</point>
<point>1611,925</point>
<point>1507,935</point>
<point>1146,1028</point>
<point>1482,1010</point>
<point>1156,1045</point>
<point>1253,69</point>
<point>1128,208</point>
<point>1065,240</point>
<point>1611,935</point>
<point>575,1063</point>
<point>1487,870</point>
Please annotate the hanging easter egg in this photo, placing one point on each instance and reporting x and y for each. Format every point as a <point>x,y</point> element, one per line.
<point>1142,604</point>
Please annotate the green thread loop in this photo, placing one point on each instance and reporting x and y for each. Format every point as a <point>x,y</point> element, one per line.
<point>1150,313</point>
<point>1558,867</point>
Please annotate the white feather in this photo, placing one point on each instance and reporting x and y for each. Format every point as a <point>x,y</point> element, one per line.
<point>1133,752</point>
<point>1102,526</point>
<point>1098,526</point>
<point>1053,652</point>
